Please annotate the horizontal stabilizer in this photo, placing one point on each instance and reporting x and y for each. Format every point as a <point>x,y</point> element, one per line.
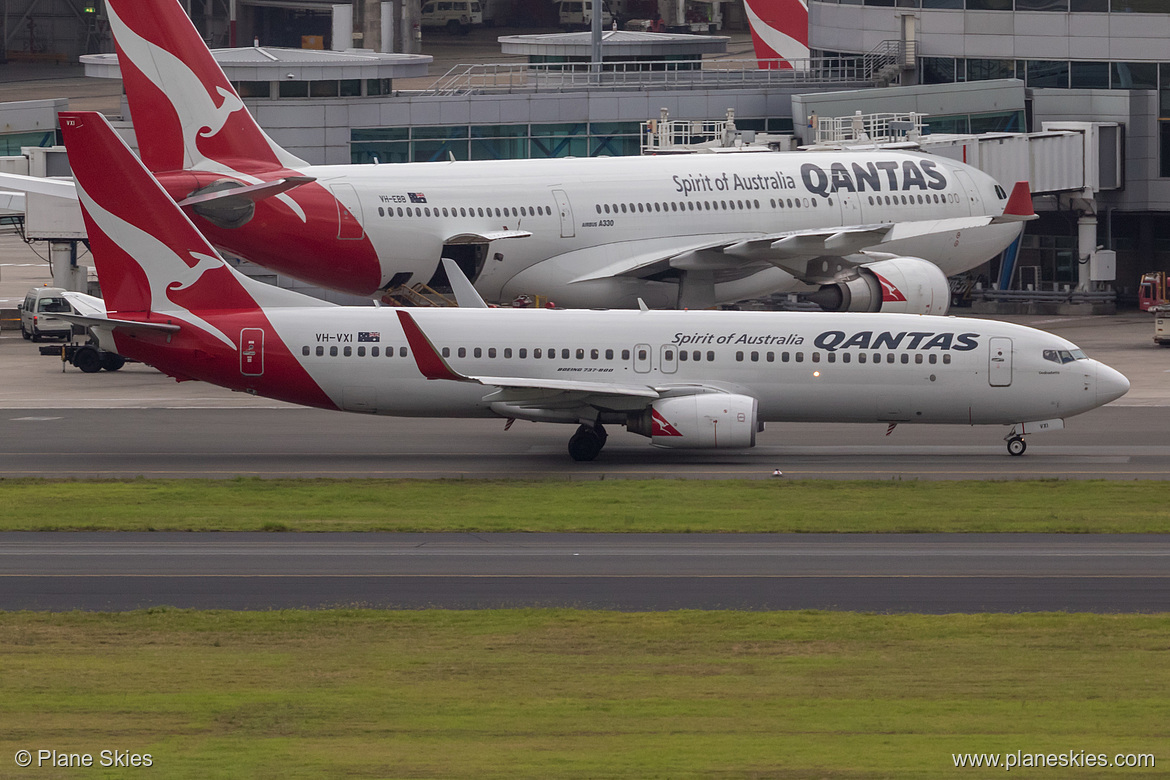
<point>110,322</point>
<point>249,192</point>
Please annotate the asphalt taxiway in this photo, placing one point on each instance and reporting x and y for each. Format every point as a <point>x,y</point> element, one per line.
<point>930,573</point>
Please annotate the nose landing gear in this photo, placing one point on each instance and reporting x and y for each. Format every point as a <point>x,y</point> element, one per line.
<point>587,442</point>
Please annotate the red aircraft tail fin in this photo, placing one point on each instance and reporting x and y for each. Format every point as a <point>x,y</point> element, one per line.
<point>149,256</point>
<point>186,113</point>
<point>779,32</point>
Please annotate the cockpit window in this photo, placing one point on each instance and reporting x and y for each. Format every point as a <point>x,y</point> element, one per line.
<point>1000,193</point>
<point>1064,355</point>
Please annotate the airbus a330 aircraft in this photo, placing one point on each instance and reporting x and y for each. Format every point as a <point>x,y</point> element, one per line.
<point>868,229</point>
<point>697,379</point>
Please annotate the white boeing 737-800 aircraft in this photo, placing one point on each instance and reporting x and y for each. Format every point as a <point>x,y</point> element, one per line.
<point>860,230</point>
<point>684,379</point>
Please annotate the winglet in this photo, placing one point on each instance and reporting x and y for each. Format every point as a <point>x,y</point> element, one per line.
<point>430,363</point>
<point>1019,205</point>
<point>465,294</point>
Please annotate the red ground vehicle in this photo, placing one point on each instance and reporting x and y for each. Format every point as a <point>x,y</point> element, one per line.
<point>1153,290</point>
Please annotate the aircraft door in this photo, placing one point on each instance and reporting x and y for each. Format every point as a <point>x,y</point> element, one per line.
<point>252,351</point>
<point>568,229</point>
<point>850,207</point>
<point>349,211</point>
<point>999,369</point>
<point>970,191</point>
<point>668,359</point>
<point>642,358</point>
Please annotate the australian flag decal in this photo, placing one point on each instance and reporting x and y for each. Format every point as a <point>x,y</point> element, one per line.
<point>369,336</point>
<point>416,197</point>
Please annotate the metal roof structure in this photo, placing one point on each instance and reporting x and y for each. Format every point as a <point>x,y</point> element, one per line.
<point>616,45</point>
<point>266,63</point>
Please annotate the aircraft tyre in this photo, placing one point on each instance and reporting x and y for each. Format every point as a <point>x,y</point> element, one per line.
<point>587,442</point>
<point>1016,446</point>
<point>112,361</point>
<point>88,360</point>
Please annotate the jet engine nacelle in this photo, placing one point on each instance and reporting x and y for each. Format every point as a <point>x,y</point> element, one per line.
<point>707,421</point>
<point>904,285</point>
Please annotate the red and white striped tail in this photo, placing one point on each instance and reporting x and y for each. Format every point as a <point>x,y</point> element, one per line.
<point>779,32</point>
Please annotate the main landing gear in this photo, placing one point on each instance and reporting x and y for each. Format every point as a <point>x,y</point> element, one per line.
<point>587,442</point>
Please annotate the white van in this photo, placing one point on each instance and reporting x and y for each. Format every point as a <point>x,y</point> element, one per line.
<point>455,16</point>
<point>37,310</point>
<point>578,14</point>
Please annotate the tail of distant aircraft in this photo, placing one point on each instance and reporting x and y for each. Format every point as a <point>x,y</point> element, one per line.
<point>779,32</point>
<point>171,300</point>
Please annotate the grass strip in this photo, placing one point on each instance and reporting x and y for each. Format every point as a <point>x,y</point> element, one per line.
<point>563,693</point>
<point>248,504</point>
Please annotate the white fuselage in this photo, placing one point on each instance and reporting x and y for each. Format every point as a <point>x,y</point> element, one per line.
<point>585,215</point>
<point>800,367</point>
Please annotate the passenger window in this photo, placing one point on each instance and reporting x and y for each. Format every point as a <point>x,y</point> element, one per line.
<point>832,357</point>
<point>783,357</point>
<point>905,358</point>
<point>609,354</point>
<point>711,356</point>
<point>739,356</point>
<point>333,352</point>
<point>463,352</point>
<point>564,354</point>
<point>349,351</point>
<point>375,351</point>
<point>877,357</point>
<point>641,354</point>
<point>523,353</point>
<point>402,352</point>
<point>446,352</point>
<point>799,357</point>
<point>890,358</point>
<point>536,353</point>
<point>477,352</point>
<point>755,357</point>
<point>361,351</point>
<point>933,359</point>
<point>861,357</point>
<point>594,354</point>
<point>668,355</point>
<point>320,351</point>
<point>816,357</point>
<point>844,357</point>
<point>491,352</point>
<point>682,355</point>
<point>918,358</point>
<point>305,351</point>
<point>552,354</point>
<point>507,353</point>
<point>580,354</point>
<point>625,354</point>
<point>946,358</point>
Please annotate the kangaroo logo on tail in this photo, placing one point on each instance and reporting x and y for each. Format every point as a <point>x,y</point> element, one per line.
<point>779,32</point>
<point>164,50</point>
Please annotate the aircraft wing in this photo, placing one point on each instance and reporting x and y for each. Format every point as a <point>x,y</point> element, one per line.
<point>522,391</point>
<point>790,250</point>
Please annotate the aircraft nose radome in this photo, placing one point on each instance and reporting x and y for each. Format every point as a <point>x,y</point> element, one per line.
<point>1111,384</point>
